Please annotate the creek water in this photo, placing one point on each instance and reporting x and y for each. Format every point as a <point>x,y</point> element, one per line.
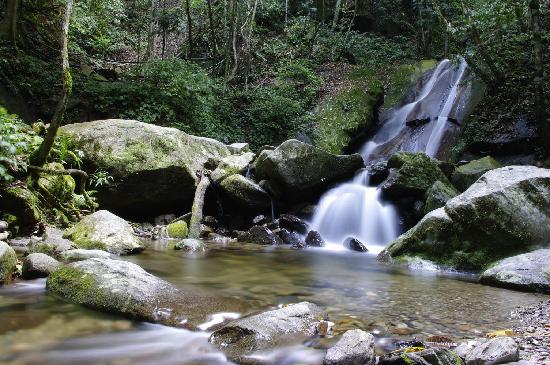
<point>357,292</point>
<point>438,104</point>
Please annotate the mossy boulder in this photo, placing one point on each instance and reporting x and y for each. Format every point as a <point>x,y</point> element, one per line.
<point>38,265</point>
<point>411,175</point>
<point>300,171</point>
<point>439,194</point>
<point>51,243</point>
<point>104,231</point>
<point>504,213</point>
<point>177,229</point>
<point>21,203</point>
<point>231,165</point>
<point>8,262</point>
<point>61,187</point>
<point>347,116</point>
<point>242,192</point>
<point>124,288</point>
<point>152,167</point>
<point>467,174</point>
<point>80,254</point>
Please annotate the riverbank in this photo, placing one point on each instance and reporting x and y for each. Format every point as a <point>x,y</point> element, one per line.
<point>534,332</point>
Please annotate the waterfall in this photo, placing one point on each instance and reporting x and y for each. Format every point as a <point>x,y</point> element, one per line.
<point>355,208</point>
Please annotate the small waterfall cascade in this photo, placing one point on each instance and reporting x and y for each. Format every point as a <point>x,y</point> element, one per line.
<point>436,107</point>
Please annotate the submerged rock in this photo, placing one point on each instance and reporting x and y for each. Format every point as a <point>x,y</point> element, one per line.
<point>504,213</point>
<point>82,254</point>
<point>529,272</point>
<point>105,231</point>
<point>152,166</point>
<point>356,347</point>
<point>8,261</point>
<point>467,174</point>
<point>499,350</point>
<point>38,265</point>
<point>438,356</point>
<point>270,329</point>
<point>191,245</point>
<point>245,193</point>
<point>124,288</point>
<point>314,239</point>
<point>354,244</point>
<point>300,170</point>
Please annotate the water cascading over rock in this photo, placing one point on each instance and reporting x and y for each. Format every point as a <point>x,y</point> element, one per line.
<point>427,120</point>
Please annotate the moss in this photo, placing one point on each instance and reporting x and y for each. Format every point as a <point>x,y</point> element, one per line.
<point>22,203</point>
<point>400,78</point>
<point>177,229</point>
<point>8,262</point>
<point>82,236</point>
<point>78,287</point>
<point>60,187</point>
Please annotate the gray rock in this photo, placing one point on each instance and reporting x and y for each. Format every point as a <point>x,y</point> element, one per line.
<point>438,356</point>
<point>151,165</point>
<point>38,265</point>
<point>81,254</point>
<point>124,288</point>
<point>291,238</point>
<point>191,245</point>
<point>499,350</point>
<point>8,261</point>
<point>314,239</point>
<point>238,148</point>
<point>438,195</point>
<point>356,347</point>
<point>504,213</point>
<point>261,235</point>
<point>4,236</point>
<point>270,329</point>
<point>3,226</point>
<point>51,243</point>
<point>232,165</point>
<point>105,231</point>
<point>293,223</point>
<point>467,174</point>
<point>300,170</point>
<point>245,193</point>
<point>529,271</point>
<point>354,244</point>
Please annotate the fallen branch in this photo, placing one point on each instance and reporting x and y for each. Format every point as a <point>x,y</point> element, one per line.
<point>198,204</point>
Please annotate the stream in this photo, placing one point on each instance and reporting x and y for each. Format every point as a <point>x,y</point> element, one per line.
<point>354,288</point>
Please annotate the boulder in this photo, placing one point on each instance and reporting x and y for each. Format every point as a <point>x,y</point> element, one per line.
<point>51,243</point>
<point>293,223</point>
<point>191,245</point>
<point>314,239</point>
<point>123,288</point>
<point>439,194</point>
<point>291,238</point>
<point>3,226</point>
<point>8,261</point>
<point>437,356</point>
<point>504,213</point>
<point>177,229</point>
<point>105,231</point>
<point>274,328</point>
<point>528,272</point>
<point>411,175</point>
<point>301,171</point>
<point>499,350</point>
<point>232,165</point>
<point>356,347</point>
<point>238,148</point>
<point>23,205</point>
<point>260,235</point>
<point>152,167</point>
<point>38,265</point>
<point>61,187</point>
<point>467,174</point>
<point>352,243</point>
<point>81,254</point>
<point>245,193</point>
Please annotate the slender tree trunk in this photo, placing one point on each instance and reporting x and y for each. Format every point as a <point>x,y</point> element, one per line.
<point>214,44</point>
<point>198,205</point>
<point>538,81</point>
<point>286,12</point>
<point>231,41</point>
<point>336,14</point>
<point>151,31</point>
<point>189,27</point>
<point>41,155</point>
<point>9,24</point>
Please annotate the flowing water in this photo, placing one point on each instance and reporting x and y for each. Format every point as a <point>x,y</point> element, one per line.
<point>355,209</point>
<point>358,292</point>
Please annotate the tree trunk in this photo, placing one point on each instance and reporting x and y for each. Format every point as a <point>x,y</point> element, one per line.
<point>41,155</point>
<point>151,31</point>
<point>189,26</point>
<point>198,205</point>
<point>9,26</point>
<point>336,14</point>
<point>538,80</point>
<point>231,40</point>
<point>214,45</point>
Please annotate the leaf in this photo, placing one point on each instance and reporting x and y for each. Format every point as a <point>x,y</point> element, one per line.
<point>501,333</point>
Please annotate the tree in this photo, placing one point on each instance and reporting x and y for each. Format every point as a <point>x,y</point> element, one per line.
<point>9,24</point>
<point>43,151</point>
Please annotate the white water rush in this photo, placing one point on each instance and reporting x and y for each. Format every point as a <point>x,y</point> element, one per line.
<point>356,209</point>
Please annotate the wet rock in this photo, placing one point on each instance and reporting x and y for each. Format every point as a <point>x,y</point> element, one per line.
<point>412,175</point>
<point>503,213</point>
<point>105,231</point>
<point>191,245</point>
<point>425,357</point>
<point>165,219</point>
<point>218,238</point>
<point>352,243</point>
<point>438,195</point>
<point>529,272</point>
<point>259,220</point>
<point>377,172</point>
<point>8,261</point>
<point>291,238</point>
<point>51,243</point>
<point>177,229</point>
<point>81,254</point>
<point>467,174</point>
<point>499,350</point>
<point>245,193</point>
<point>262,235</point>
<point>293,223</point>
<point>123,288</point>
<point>210,221</point>
<point>301,170</point>
<point>356,347</point>
<point>415,123</point>
<point>38,265</point>
<point>3,226</point>
<point>287,325</point>
<point>153,167</point>
<point>314,239</point>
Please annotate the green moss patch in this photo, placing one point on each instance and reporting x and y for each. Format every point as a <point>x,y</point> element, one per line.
<point>177,229</point>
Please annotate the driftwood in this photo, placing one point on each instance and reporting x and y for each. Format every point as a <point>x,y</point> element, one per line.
<point>198,204</point>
